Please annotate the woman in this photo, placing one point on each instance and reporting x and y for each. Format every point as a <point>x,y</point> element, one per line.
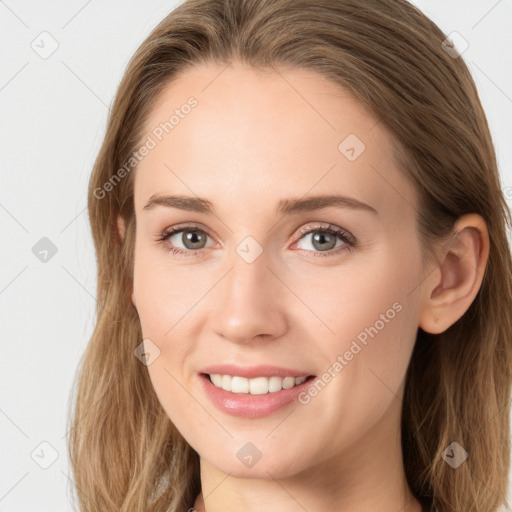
<point>304,280</point>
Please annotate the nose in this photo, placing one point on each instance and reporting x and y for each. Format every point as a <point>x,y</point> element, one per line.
<point>251,302</point>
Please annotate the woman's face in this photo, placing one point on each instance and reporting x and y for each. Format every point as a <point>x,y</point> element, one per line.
<point>256,281</point>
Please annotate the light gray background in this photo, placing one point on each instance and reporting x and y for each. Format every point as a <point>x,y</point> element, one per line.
<point>53,115</point>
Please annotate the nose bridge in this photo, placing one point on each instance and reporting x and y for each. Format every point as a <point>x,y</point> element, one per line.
<point>248,283</point>
<point>249,302</point>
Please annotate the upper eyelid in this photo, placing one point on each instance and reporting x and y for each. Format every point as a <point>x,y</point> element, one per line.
<point>338,230</point>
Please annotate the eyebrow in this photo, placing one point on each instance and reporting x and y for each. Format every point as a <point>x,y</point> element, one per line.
<point>284,207</point>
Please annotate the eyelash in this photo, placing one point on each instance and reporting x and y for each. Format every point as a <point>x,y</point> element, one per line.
<point>346,237</point>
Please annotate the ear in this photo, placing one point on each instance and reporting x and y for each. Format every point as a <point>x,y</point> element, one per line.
<point>453,285</point>
<point>121,229</point>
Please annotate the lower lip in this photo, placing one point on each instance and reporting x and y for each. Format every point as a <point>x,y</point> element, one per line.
<point>251,406</point>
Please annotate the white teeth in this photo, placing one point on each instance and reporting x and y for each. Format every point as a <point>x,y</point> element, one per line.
<point>256,386</point>
<point>275,384</point>
<point>226,382</point>
<point>216,379</point>
<point>288,382</point>
<point>239,384</point>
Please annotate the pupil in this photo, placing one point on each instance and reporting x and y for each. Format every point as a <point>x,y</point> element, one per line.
<point>193,237</point>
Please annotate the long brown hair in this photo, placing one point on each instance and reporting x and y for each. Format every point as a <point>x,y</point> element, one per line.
<point>125,453</point>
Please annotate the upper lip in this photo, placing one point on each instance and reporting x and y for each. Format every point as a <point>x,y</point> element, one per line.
<point>254,371</point>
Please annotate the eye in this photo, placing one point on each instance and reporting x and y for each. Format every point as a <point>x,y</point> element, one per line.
<point>192,238</point>
<point>325,239</point>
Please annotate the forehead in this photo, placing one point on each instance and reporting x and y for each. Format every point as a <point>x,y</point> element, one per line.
<point>238,135</point>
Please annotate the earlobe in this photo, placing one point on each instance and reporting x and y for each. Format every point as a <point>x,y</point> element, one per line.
<point>450,291</point>
<point>121,226</point>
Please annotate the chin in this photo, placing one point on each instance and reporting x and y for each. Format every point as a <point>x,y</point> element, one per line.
<point>269,466</point>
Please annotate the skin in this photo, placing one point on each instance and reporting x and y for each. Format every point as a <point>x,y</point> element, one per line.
<point>253,140</point>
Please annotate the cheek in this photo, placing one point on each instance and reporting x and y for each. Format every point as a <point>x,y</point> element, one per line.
<point>178,402</point>
<point>164,292</point>
<point>371,313</point>
<point>166,298</point>
<point>375,325</point>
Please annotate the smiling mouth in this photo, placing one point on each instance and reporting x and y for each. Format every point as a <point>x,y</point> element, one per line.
<point>255,386</point>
